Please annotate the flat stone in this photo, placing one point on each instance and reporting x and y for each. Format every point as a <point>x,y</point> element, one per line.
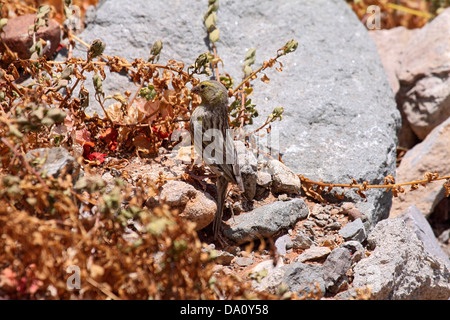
<point>282,243</point>
<point>265,221</point>
<point>302,241</point>
<point>313,253</point>
<point>243,261</point>
<point>354,231</point>
<point>304,278</point>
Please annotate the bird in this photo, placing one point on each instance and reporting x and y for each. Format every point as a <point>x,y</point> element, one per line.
<point>209,130</point>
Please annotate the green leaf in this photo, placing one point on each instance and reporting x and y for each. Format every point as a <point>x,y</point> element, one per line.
<point>96,49</point>
<point>250,57</point>
<point>155,51</point>
<point>214,36</point>
<point>210,21</point>
<point>57,115</point>
<point>290,46</point>
<point>148,93</point>
<point>277,113</point>
<point>3,23</point>
<point>229,82</point>
<point>247,70</point>
<point>98,85</point>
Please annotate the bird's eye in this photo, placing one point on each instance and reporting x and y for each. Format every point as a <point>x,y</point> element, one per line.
<point>203,86</point>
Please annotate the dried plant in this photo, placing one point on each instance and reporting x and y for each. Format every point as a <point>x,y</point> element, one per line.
<point>51,224</point>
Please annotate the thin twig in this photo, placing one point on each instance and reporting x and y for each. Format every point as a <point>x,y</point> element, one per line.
<point>102,288</point>
<point>375,186</point>
<point>263,67</point>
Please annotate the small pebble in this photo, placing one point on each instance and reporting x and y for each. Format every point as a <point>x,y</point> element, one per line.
<point>313,253</point>
<point>282,243</point>
<point>333,226</point>
<point>302,241</point>
<point>243,261</point>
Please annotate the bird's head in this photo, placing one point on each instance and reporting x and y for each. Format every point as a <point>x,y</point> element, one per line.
<point>213,93</point>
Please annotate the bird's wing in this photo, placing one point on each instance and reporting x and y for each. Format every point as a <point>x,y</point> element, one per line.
<point>213,146</point>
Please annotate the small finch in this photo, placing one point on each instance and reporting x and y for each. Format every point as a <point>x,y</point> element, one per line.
<point>212,140</point>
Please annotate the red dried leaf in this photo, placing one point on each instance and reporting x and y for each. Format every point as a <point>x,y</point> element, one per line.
<point>96,156</point>
<point>83,138</point>
<point>109,137</point>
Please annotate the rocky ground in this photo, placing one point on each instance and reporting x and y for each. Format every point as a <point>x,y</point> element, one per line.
<point>284,242</point>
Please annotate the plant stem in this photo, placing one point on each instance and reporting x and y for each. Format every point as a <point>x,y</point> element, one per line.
<point>376,186</point>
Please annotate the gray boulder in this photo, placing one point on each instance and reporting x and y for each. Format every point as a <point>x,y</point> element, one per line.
<point>304,279</point>
<point>415,220</point>
<point>266,221</point>
<point>423,73</point>
<point>431,155</point>
<point>401,267</point>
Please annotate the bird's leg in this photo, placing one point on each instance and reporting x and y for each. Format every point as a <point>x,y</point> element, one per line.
<point>222,186</point>
<point>222,241</point>
<point>231,207</point>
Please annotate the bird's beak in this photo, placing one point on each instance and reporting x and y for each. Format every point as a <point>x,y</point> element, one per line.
<point>195,90</point>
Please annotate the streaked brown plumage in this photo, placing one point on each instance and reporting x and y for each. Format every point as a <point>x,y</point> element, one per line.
<point>212,113</point>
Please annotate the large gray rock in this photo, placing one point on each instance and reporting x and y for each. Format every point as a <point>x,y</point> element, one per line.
<point>401,267</point>
<point>424,75</point>
<point>307,280</point>
<point>304,279</point>
<point>390,44</point>
<point>417,222</point>
<point>340,118</point>
<point>431,155</point>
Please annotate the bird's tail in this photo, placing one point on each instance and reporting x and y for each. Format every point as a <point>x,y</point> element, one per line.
<point>222,186</point>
